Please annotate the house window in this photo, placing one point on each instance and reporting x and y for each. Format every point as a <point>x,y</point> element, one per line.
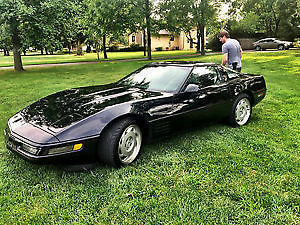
<point>133,38</point>
<point>172,38</point>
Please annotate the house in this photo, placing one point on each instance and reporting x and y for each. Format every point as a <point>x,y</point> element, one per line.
<point>165,40</point>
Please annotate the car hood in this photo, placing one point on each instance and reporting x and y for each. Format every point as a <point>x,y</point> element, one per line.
<point>60,110</point>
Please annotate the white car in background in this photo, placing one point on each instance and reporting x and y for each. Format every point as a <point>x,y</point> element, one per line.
<point>272,43</point>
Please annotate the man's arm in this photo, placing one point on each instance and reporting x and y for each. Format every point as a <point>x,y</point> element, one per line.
<point>224,59</point>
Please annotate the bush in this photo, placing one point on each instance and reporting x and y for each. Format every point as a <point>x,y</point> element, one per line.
<point>158,49</point>
<point>214,43</point>
<point>114,48</point>
<point>132,48</point>
<point>136,47</point>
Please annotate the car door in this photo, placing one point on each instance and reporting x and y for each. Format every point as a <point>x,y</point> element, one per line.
<point>204,95</point>
<point>273,44</point>
<point>264,44</point>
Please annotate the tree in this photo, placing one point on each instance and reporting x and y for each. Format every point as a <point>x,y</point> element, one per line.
<point>245,27</point>
<point>148,27</point>
<point>107,19</point>
<point>5,40</point>
<point>37,23</point>
<point>184,15</point>
<point>144,17</point>
<point>274,18</point>
<point>13,14</point>
<point>52,24</point>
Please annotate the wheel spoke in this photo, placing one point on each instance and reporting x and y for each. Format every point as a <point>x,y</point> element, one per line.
<point>242,111</point>
<point>129,144</point>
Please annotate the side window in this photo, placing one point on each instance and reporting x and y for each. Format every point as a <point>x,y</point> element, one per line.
<point>204,76</point>
<point>227,73</point>
<point>232,74</point>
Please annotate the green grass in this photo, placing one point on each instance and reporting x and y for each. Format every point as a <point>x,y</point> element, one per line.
<point>47,59</point>
<point>211,174</point>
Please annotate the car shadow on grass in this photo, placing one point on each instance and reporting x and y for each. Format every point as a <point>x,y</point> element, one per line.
<point>177,134</point>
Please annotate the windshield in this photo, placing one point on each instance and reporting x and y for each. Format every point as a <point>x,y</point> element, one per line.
<point>157,78</point>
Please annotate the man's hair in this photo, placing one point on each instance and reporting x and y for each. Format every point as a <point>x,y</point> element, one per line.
<point>223,33</point>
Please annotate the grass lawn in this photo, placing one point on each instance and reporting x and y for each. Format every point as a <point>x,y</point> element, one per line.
<point>47,59</point>
<point>211,174</point>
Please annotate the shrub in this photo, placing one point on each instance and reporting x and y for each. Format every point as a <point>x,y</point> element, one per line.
<point>214,43</point>
<point>132,48</point>
<point>114,48</point>
<point>158,49</point>
<point>136,47</point>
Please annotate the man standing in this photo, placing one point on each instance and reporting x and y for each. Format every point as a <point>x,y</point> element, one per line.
<point>231,50</point>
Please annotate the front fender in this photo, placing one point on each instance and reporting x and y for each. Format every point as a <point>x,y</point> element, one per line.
<point>93,125</point>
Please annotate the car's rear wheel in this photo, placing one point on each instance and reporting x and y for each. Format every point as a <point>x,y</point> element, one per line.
<point>120,144</point>
<point>258,48</point>
<point>280,47</point>
<point>241,111</point>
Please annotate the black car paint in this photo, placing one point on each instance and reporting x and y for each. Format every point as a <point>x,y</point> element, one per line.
<point>79,115</point>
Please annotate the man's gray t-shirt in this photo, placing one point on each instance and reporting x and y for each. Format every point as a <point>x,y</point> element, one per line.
<point>233,48</point>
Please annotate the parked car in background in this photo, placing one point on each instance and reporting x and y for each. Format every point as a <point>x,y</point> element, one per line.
<point>272,43</point>
<point>109,122</point>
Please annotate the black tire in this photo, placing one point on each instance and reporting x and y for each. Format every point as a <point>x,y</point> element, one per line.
<point>281,47</point>
<point>110,149</point>
<point>241,111</point>
<point>258,48</point>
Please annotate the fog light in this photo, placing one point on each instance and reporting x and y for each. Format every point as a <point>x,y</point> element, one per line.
<point>52,151</point>
<point>77,147</point>
<point>65,149</point>
<point>30,149</point>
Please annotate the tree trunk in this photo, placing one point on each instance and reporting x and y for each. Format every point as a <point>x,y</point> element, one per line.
<point>104,46</point>
<point>202,40</point>
<point>46,50</point>
<point>97,50</point>
<point>98,56</point>
<point>24,51</point>
<point>42,51</point>
<point>148,24</point>
<point>16,42</point>
<point>198,37</point>
<point>69,47</point>
<point>79,48</point>
<point>144,42</point>
<point>6,52</point>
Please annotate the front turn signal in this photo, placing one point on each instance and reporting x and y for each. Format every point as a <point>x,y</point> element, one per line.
<point>77,147</point>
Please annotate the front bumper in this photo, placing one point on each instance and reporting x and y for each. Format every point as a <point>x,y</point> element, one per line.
<point>39,153</point>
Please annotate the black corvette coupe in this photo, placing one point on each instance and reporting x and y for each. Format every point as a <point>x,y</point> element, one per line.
<point>109,122</point>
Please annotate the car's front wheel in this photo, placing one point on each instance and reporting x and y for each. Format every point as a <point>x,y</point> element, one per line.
<point>280,47</point>
<point>258,48</point>
<point>241,111</point>
<point>120,144</point>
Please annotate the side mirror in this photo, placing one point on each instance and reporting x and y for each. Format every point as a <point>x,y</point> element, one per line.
<point>192,88</point>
